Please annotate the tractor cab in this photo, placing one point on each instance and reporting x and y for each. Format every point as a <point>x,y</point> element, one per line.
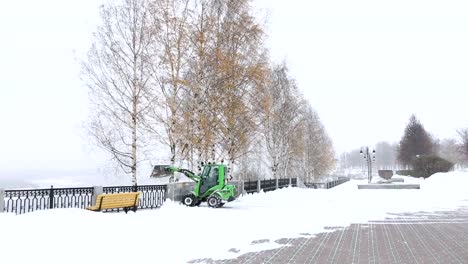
<point>212,175</point>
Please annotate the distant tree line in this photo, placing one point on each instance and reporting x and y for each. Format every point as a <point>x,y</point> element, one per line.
<point>193,78</point>
<point>386,157</point>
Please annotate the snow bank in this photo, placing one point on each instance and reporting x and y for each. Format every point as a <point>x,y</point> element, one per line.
<point>177,234</point>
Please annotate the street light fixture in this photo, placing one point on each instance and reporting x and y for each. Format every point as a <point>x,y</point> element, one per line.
<point>369,160</point>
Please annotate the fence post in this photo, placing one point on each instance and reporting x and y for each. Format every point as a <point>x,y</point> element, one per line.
<point>277,186</point>
<point>259,187</point>
<point>242,188</point>
<point>2,200</point>
<point>290,182</point>
<point>51,197</point>
<point>97,191</point>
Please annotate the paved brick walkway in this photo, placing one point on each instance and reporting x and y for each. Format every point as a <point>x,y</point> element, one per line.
<point>440,237</point>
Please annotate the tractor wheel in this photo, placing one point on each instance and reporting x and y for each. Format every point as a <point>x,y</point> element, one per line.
<point>189,200</point>
<point>213,202</point>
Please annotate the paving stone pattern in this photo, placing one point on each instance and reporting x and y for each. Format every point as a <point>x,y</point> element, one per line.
<point>440,237</point>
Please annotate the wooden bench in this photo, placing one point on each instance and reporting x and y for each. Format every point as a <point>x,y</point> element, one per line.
<point>126,201</point>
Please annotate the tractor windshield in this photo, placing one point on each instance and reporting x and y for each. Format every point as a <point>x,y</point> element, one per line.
<point>209,178</point>
<point>214,175</point>
<point>206,171</point>
<point>210,173</point>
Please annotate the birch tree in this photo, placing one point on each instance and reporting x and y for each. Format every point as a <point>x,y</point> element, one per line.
<point>225,66</point>
<point>194,75</point>
<point>170,20</point>
<point>199,97</point>
<point>241,67</point>
<point>119,81</point>
<point>282,116</point>
<point>319,155</point>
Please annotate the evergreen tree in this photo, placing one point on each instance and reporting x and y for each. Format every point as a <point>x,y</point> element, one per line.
<point>415,142</point>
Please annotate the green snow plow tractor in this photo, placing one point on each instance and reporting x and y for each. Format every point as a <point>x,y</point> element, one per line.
<point>210,185</point>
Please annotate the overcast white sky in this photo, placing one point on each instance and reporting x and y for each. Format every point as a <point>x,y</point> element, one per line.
<point>365,66</point>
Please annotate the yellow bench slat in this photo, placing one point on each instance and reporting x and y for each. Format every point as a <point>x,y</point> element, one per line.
<point>115,200</point>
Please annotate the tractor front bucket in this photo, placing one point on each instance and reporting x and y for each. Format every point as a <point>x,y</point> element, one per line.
<point>160,171</point>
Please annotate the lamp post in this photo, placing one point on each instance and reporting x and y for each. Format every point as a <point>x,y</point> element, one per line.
<point>369,159</point>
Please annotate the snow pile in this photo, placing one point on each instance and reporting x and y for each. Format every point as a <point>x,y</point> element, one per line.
<point>177,234</point>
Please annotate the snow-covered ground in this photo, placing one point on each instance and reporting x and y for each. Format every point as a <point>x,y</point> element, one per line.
<point>177,234</point>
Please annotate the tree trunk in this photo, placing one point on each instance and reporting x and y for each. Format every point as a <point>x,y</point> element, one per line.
<point>275,169</point>
<point>228,169</point>
<point>134,143</point>
<point>230,165</point>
